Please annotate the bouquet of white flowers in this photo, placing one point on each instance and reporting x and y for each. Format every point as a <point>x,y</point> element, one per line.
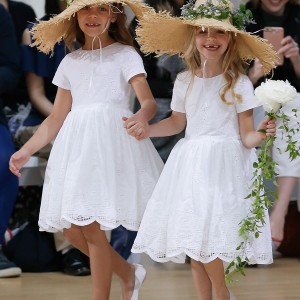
<point>272,95</point>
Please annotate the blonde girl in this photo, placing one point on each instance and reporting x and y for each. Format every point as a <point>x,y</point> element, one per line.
<point>98,177</point>
<point>199,200</point>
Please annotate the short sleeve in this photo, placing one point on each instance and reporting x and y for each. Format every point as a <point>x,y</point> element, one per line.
<point>132,64</point>
<point>244,88</point>
<point>60,78</point>
<point>178,97</point>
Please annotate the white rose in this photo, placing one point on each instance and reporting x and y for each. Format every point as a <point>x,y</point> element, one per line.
<point>272,94</point>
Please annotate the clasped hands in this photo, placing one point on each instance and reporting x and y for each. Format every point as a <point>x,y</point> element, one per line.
<point>136,126</point>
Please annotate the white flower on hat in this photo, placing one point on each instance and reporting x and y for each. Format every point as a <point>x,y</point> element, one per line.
<point>273,94</point>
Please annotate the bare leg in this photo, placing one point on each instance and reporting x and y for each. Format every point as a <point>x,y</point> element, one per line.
<point>215,272</point>
<point>100,260</point>
<point>201,281</point>
<point>75,236</point>
<point>120,266</point>
<point>280,207</point>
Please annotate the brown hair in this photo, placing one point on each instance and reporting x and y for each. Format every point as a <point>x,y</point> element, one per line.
<point>117,30</point>
<point>232,66</point>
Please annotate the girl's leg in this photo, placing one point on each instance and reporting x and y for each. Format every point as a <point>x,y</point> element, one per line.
<point>280,207</point>
<point>124,270</point>
<point>76,238</point>
<point>215,272</point>
<point>201,280</point>
<point>100,260</point>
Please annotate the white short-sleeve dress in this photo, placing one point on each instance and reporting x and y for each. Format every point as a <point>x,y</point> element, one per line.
<point>199,200</point>
<point>96,171</point>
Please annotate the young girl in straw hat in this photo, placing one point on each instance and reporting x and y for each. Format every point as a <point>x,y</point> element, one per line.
<point>199,200</point>
<point>98,177</point>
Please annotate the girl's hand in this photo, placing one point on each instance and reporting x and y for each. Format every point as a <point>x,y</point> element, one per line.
<point>18,160</point>
<point>268,126</point>
<point>136,126</point>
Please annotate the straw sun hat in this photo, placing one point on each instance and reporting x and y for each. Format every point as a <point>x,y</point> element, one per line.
<point>47,33</point>
<point>161,33</point>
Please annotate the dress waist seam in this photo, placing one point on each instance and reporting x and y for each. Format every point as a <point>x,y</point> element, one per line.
<point>213,137</point>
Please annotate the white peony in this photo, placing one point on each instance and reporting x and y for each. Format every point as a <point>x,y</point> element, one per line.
<point>272,94</point>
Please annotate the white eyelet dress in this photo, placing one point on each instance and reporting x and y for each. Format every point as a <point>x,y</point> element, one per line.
<point>96,171</point>
<point>199,200</point>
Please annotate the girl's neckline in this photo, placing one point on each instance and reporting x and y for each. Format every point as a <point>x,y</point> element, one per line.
<point>216,76</point>
<point>108,46</point>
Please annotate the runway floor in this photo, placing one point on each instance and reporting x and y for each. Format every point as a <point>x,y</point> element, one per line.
<point>279,281</point>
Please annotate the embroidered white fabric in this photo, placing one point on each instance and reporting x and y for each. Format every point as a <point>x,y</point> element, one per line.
<point>96,171</point>
<point>199,200</point>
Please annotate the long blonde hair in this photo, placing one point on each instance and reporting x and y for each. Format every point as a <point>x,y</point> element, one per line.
<point>232,65</point>
<point>117,30</point>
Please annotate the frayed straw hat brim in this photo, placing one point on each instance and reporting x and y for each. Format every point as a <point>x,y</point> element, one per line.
<point>47,33</point>
<point>162,33</point>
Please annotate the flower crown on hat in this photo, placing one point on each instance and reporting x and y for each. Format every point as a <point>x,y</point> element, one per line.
<point>220,11</point>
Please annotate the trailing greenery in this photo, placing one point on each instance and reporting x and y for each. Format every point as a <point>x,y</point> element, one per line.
<point>264,169</point>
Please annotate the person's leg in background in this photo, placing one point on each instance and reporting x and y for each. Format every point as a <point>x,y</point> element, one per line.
<point>279,210</point>
<point>298,194</point>
<point>121,240</point>
<point>8,194</point>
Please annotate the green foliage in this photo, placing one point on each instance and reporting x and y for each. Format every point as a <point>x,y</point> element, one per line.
<point>69,2</point>
<point>239,18</point>
<point>264,169</point>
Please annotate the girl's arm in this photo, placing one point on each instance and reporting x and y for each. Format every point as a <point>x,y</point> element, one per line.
<point>45,133</point>
<point>144,96</point>
<point>169,126</point>
<point>36,90</point>
<point>137,123</point>
<point>249,136</point>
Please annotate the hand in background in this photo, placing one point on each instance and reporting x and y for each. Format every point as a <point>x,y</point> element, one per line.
<point>290,48</point>
<point>256,71</point>
<point>18,160</point>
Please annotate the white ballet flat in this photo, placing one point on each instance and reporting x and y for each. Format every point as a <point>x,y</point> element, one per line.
<point>139,277</point>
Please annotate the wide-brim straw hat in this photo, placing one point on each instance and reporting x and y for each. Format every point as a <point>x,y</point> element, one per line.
<point>47,33</point>
<point>162,33</point>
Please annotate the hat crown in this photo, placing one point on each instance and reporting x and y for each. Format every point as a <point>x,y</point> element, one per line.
<point>204,12</point>
<point>215,3</point>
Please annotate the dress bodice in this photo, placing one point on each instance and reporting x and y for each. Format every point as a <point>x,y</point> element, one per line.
<point>206,113</point>
<point>100,76</point>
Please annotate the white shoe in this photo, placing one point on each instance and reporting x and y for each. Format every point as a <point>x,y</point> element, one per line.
<point>139,277</point>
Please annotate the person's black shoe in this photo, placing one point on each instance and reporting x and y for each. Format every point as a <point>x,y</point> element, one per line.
<point>74,263</point>
<point>8,268</point>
